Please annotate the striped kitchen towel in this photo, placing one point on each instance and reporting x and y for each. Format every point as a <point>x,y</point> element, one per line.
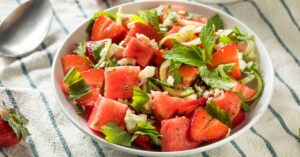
<point>25,84</point>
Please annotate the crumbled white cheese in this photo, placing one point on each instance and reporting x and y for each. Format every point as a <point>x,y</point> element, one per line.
<point>115,50</point>
<point>212,93</point>
<point>147,40</point>
<point>191,97</point>
<point>242,63</point>
<point>218,92</point>
<point>127,61</point>
<point>249,64</point>
<point>170,80</point>
<point>222,32</point>
<point>147,72</point>
<point>132,119</point>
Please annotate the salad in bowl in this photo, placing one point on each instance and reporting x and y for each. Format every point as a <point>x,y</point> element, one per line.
<point>162,79</point>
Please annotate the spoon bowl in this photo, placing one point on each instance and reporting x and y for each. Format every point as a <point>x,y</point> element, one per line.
<point>25,28</point>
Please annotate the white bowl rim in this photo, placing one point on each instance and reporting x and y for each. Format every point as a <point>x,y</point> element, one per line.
<point>184,152</point>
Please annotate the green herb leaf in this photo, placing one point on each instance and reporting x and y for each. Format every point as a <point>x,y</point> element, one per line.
<point>117,135</point>
<point>159,10</point>
<point>150,16</point>
<point>244,104</point>
<point>76,84</point>
<point>184,54</point>
<point>79,110</point>
<point>217,78</point>
<point>81,48</point>
<point>207,38</point>
<point>140,98</point>
<point>96,50</point>
<point>216,112</point>
<point>240,35</point>
<point>110,15</point>
<point>174,72</point>
<point>217,21</point>
<point>225,39</point>
<point>146,128</point>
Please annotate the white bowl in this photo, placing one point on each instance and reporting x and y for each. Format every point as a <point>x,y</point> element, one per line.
<point>251,117</point>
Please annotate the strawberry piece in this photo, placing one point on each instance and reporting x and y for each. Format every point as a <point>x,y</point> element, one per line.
<point>105,28</point>
<point>89,50</point>
<point>70,61</point>
<point>229,102</point>
<point>107,111</point>
<point>206,129</point>
<point>190,106</point>
<point>147,30</point>
<point>165,106</point>
<point>175,135</point>
<point>143,141</point>
<point>238,119</point>
<point>11,134</point>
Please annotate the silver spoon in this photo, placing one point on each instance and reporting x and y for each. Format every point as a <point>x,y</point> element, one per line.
<point>25,28</point>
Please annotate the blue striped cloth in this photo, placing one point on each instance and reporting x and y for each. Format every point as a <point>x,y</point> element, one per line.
<point>25,84</point>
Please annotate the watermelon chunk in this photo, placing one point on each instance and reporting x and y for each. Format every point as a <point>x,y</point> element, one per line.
<point>140,51</point>
<point>229,102</point>
<point>119,81</point>
<point>175,135</point>
<point>70,61</point>
<point>165,106</point>
<point>90,98</point>
<point>94,77</point>
<point>189,74</point>
<point>106,111</point>
<point>225,55</point>
<point>246,91</point>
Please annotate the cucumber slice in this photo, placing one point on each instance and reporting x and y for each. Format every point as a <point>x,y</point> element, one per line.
<point>180,93</point>
<point>152,86</point>
<point>259,86</point>
<point>247,79</point>
<point>163,84</point>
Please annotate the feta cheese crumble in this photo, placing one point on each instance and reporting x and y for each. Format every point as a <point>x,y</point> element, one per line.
<point>132,119</point>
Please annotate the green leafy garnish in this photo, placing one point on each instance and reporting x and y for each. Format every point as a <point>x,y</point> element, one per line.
<point>240,35</point>
<point>150,16</point>
<point>174,72</point>
<point>184,54</point>
<point>217,21</point>
<point>244,103</point>
<point>146,128</point>
<point>140,98</point>
<point>216,112</point>
<point>117,135</point>
<point>81,50</point>
<point>108,14</point>
<point>76,84</point>
<point>225,39</point>
<point>79,110</point>
<point>15,120</point>
<point>207,38</point>
<point>218,78</point>
<point>96,50</point>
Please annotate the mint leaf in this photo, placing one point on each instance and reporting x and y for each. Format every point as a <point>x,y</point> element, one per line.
<point>217,21</point>
<point>184,54</point>
<point>240,35</point>
<point>244,104</point>
<point>110,15</point>
<point>217,78</point>
<point>207,37</point>
<point>117,135</point>
<point>96,50</point>
<point>81,48</point>
<point>76,84</point>
<point>150,16</point>
<point>225,39</point>
<point>216,112</point>
<point>146,128</point>
<point>140,98</point>
<point>79,110</point>
<point>174,72</point>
